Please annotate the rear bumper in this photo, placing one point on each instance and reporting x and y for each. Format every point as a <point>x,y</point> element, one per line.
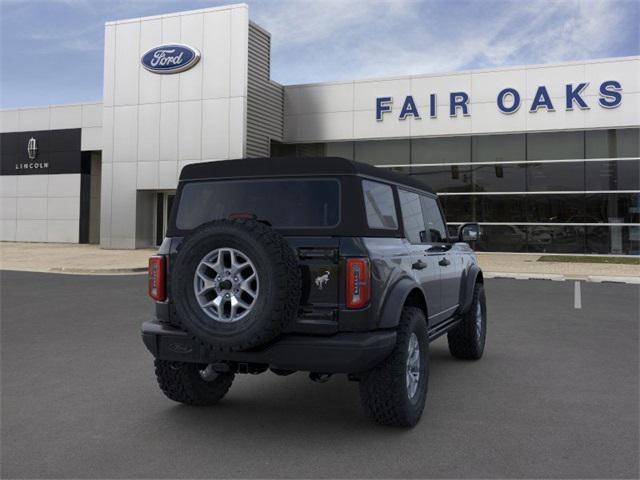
<point>339,353</point>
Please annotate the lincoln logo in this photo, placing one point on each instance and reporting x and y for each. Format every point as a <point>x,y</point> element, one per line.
<point>32,154</point>
<point>170,58</point>
<point>32,148</point>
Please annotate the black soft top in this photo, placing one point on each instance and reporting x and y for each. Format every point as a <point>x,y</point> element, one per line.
<point>294,166</point>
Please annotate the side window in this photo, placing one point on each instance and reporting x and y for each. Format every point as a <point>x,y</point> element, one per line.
<point>381,209</point>
<point>412,216</point>
<point>433,220</point>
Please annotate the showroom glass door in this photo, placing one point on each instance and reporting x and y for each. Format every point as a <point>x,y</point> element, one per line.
<point>164,203</point>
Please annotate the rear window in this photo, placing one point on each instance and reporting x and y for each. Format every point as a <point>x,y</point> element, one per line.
<point>308,203</point>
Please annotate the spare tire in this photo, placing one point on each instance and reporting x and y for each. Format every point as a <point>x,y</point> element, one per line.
<point>235,284</point>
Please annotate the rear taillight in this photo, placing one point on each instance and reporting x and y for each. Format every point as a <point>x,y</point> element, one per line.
<point>157,289</point>
<point>358,282</point>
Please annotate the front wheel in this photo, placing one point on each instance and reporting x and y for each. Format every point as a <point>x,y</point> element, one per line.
<point>394,392</point>
<point>192,383</point>
<point>466,340</point>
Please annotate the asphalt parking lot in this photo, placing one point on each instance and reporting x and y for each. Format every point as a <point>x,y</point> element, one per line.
<point>556,395</point>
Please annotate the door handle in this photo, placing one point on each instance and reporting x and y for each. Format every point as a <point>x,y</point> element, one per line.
<point>419,265</point>
<point>444,262</point>
<point>438,249</point>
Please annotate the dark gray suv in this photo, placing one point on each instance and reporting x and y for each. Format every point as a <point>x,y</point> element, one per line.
<point>322,265</point>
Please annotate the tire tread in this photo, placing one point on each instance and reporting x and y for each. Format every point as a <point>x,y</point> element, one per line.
<point>181,382</point>
<point>383,390</point>
<point>462,340</point>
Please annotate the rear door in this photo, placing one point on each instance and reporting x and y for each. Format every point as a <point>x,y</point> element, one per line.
<point>424,266</point>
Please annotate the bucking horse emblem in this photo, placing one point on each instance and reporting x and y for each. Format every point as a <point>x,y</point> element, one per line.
<point>322,280</point>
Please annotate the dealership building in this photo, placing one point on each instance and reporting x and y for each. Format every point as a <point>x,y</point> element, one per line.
<point>545,157</point>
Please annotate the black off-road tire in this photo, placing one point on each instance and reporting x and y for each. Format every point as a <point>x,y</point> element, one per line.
<point>383,390</point>
<point>279,288</point>
<point>466,340</point>
<point>182,382</point>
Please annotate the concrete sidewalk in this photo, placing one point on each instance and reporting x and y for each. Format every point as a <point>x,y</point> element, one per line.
<point>71,258</point>
<point>91,259</point>
<point>527,266</point>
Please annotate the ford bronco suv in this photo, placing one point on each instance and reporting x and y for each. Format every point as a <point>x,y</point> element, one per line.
<point>322,265</point>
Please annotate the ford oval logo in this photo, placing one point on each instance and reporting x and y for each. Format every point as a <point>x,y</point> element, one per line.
<point>171,58</point>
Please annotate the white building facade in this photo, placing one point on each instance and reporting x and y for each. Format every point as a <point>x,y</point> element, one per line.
<point>545,157</point>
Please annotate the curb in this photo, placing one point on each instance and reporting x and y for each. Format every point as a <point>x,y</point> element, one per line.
<point>97,271</point>
<point>562,278</point>
<point>600,279</point>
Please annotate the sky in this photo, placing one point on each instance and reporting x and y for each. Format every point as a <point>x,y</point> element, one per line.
<point>51,51</point>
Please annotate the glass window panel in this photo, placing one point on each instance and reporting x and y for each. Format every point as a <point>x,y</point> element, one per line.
<point>556,239</point>
<point>452,178</point>
<point>499,178</point>
<point>502,238</point>
<point>613,175</point>
<point>532,238</point>
<point>458,208</point>
<point>560,208</point>
<point>441,150</point>
<point>380,206</point>
<point>555,145</point>
<point>613,143</point>
<point>501,208</point>
<point>383,152</point>
<point>499,148</point>
<point>412,217</point>
<point>543,177</point>
<point>613,207</point>
<point>282,149</point>
<point>403,170</point>
<point>433,220</point>
<point>613,240</point>
<point>339,149</point>
<point>310,150</point>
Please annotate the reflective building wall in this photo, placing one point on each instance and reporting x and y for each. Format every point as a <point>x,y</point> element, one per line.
<point>552,192</point>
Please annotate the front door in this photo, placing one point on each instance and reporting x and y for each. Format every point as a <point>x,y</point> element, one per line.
<point>449,261</point>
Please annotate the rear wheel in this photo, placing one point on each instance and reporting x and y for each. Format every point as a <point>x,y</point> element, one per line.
<point>192,383</point>
<point>466,340</point>
<point>394,392</point>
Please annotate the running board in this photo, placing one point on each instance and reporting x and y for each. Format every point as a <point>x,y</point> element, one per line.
<point>443,327</point>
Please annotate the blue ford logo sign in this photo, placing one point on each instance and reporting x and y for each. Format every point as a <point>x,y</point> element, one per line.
<point>172,58</point>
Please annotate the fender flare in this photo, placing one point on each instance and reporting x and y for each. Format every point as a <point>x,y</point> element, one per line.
<point>469,279</point>
<point>392,308</point>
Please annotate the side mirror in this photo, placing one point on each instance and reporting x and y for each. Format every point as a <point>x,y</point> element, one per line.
<point>469,232</point>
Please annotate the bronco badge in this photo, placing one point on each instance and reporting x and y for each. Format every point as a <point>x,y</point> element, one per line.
<point>322,280</point>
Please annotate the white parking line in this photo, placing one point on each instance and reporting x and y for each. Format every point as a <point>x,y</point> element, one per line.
<point>577,296</point>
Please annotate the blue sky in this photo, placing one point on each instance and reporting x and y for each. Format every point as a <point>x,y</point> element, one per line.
<point>51,50</point>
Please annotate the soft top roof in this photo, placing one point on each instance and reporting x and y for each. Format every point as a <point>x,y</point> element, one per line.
<point>294,166</point>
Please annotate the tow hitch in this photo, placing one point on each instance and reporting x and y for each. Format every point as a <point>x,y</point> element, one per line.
<point>320,377</point>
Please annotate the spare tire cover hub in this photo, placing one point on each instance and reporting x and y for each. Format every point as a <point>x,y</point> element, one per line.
<point>226,284</point>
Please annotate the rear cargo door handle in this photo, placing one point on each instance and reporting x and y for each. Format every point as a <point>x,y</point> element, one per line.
<point>444,262</point>
<point>419,265</point>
